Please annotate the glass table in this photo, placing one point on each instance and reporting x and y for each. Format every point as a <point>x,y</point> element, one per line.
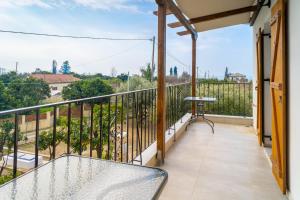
<point>200,101</point>
<point>74,177</point>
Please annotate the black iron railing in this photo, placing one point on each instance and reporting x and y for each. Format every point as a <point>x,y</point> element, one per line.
<point>176,107</point>
<point>114,127</point>
<point>232,98</point>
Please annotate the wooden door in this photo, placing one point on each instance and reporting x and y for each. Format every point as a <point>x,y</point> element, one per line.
<point>278,93</point>
<point>259,82</point>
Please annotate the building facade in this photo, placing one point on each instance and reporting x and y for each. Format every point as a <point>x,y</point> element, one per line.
<point>56,81</point>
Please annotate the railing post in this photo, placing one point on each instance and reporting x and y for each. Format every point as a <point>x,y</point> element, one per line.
<point>161,84</point>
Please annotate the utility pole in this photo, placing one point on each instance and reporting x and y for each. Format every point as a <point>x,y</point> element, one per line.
<point>128,83</point>
<point>153,54</point>
<point>17,67</point>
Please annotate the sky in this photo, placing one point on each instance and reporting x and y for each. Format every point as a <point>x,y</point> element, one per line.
<point>231,46</point>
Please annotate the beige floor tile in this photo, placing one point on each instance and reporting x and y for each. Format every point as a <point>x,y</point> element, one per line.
<point>226,165</point>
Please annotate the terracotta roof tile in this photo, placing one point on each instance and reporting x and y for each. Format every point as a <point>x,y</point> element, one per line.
<point>56,78</point>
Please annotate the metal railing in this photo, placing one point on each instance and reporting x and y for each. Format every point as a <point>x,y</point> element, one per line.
<point>115,127</point>
<point>176,107</point>
<point>232,98</point>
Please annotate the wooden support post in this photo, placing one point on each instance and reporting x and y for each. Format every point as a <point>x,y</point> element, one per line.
<point>194,44</point>
<point>161,83</point>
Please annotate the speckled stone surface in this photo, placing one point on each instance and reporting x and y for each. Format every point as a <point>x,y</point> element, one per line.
<point>73,177</point>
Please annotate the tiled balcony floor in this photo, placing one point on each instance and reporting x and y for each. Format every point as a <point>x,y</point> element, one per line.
<point>228,165</point>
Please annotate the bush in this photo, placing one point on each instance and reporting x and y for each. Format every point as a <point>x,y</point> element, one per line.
<point>86,88</point>
<point>136,83</point>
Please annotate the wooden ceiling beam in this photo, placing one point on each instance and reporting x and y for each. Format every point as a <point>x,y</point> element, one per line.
<point>168,12</point>
<point>183,33</point>
<point>216,16</point>
<point>260,4</point>
<point>183,20</point>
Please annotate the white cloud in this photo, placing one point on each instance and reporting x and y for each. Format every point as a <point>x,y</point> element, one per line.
<point>17,3</point>
<point>108,4</point>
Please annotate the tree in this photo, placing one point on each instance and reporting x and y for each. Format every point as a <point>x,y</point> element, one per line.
<point>175,71</point>
<point>27,92</point>
<point>65,68</point>
<point>226,74</point>
<point>7,140</point>
<point>171,71</point>
<point>136,83</point>
<point>46,137</point>
<point>146,72</point>
<point>9,77</point>
<point>86,88</point>
<point>46,141</point>
<point>3,97</point>
<point>86,76</point>
<point>123,77</point>
<point>54,67</point>
<point>39,71</point>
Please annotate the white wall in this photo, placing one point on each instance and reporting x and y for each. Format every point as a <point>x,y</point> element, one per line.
<point>60,86</point>
<point>267,93</point>
<point>294,98</point>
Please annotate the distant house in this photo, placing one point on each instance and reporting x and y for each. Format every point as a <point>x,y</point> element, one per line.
<point>237,77</point>
<point>56,81</point>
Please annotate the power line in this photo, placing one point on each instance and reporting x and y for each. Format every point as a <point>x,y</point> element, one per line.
<point>75,37</point>
<point>111,56</point>
<point>175,58</point>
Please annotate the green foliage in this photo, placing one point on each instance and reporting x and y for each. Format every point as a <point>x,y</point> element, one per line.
<point>146,72</point>
<point>7,140</point>
<point>232,98</point>
<point>175,71</point>
<point>46,140</point>
<point>214,80</point>
<point>6,136</point>
<point>86,88</point>
<point>8,177</point>
<point>46,137</point>
<point>171,71</point>
<point>4,104</point>
<point>19,91</point>
<point>65,68</point>
<point>226,73</point>
<point>136,83</point>
<point>39,71</point>
<point>85,76</point>
<point>123,77</point>
<point>27,92</point>
<point>9,77</point>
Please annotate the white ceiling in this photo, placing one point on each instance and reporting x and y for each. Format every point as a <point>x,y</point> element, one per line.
<point>198,8</point>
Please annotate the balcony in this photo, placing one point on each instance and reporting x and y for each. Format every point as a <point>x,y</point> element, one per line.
<point>122,127</point>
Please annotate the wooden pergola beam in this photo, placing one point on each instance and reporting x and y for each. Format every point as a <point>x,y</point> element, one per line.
<point>182,33</point>
<point>182,19</point>
<point>216,16</point>
<point>194,60</point>
<point>161,81</point>
<point>259,6</point>
<point>168,12</point>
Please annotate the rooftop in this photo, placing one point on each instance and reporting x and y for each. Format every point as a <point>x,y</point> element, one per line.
<point>56,78</point>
